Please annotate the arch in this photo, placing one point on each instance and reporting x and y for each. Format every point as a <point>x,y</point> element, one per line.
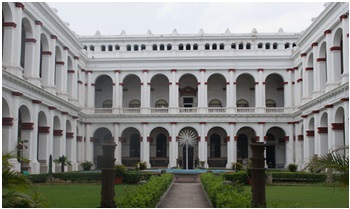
<point>339,128</point>
<point>100,136</point>
<point>276,148</point>
<point>215,103</point>
<point>161,103</point>
<point>270,103</point>
<point>274,88</point>
<point>188,89</point>
<point>159,147</point>
<point>103,91</point>
<point>217,147</point>
<point>159,91</point>
<point>242,103</point>
<point>246,88</point>
<point>44,60</point>
<point>58,73</point>
<point>5,108</point>
<point>338,58</point>
<point>217,89</point>
<point>135,103</point>
<point>323,131</point>
<point>70,77</point>
<point>131,146</point>
<point>245,136</point>
<point>131,89</point>
<point>310,133</point>
<point>323,77</point>
<point>26,32</point>
<point>24,135</point>
<point>310,74</point>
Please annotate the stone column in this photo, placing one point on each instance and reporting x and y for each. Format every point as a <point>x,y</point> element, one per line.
<point>203,145</point>
<point>260,92</point>
<point>173,93</point>
<point>34,164</point>
<point>173,146</point>
<point>231,91</point>
<point>345,26</point>
<point>117,140</point>
<point>331,134</point>
<point>289,143</point>
<point>304,78</point>
<point>231,145</point>
<point>330,74</point>
<point>202,93</point>
<point>145,93</point>
<point>90,90</point>
<point>145,145</point>
<point>317,136</point>
<point>316,72</point>
<point>117,93</point>
<point>89,143</point>
<point>288,89</point>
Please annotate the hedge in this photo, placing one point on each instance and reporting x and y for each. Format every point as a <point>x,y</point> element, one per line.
<point>223,195</point>
<point>240,177</point>
<point>298,177</point>
<point>146,195</point>
<point>132,177</point>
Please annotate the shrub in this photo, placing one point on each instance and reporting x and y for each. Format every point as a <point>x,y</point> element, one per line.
<point>133,177</point>
<point>240,177</point>
<point>223,195</point>
<point>146,195</point>
<point>141,166</point>
<point>292,167</point>
<point>237,166</point>
<point>68,176</point>
<point>86,165</point>
<point>120,170</point>
<point>298,177</point>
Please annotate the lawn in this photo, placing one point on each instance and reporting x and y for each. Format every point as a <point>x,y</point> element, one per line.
<point>88,196</point>
<point>76,195</point>
<point>306,197</point>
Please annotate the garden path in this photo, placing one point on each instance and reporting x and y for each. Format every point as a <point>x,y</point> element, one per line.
<point>185,195</point>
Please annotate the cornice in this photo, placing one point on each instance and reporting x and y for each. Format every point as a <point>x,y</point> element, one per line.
<point>340,89</point>
<point>41,93</point>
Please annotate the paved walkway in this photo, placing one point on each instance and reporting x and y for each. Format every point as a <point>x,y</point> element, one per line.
<point>185,195</point>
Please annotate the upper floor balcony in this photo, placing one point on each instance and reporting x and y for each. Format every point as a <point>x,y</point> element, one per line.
<point>192,111</point>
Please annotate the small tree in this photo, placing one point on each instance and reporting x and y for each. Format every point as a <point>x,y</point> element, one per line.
<point>64,162</point>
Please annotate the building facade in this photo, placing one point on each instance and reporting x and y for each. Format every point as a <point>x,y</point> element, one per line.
<point>66,94</point>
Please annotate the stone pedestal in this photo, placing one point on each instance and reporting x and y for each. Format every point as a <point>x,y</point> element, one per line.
<point>258,175</point>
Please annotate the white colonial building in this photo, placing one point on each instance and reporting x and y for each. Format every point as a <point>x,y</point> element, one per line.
<point>66,94</point>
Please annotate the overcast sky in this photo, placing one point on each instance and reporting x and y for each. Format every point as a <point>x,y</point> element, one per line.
<point>110,18</point>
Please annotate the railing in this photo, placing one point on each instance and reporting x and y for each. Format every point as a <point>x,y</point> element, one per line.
<point>188,110</point>
<point>159,110</point>
<point>216,110</point>
<point>131,110</point>
<point>182,110</point>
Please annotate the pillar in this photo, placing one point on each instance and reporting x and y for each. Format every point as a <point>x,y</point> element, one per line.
<point>260,92</point>
<point>145,93</point>
<point>90,90</point>
<point>345,26</point>
<point>34,164</point>
<point>173,147</point>
<point>117,93</point>
<point>145,145</point>
<point>203,145</point>
<point>202,92</point>
<point>173,93</point>
<point>289,145</point>
<point>117,140</point>
<point>231,145</point>
<point>288,89</point>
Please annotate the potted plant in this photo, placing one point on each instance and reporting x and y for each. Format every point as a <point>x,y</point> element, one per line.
<point>141,166</point>
<point>86,165</point>
<point>63,161</point>
<point>201,164</point>
<point>120,171</point>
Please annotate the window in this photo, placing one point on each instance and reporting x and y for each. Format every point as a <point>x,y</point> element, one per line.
<point>161,145</point>
<point>135,104</point>
<point>168,47</point>
<point>188,101</point>
<point>248,46</point>
<point>267,46</point>
<point>286,45</point>
<point>107,104</point>
<point>92,48</point>
<point>215,103</point>
<point>233,46</point>
<point>240,46</point>
<point>117,47</point>
<point>260,46</point>
<point>161,103</point>
<point>85,47</point>
<point>143,47</point>
<point>206,47</point>
<point>222,46</point>
<point>274,45</point>
<point>135,145</point>
<point>242,103</point>
<point>136,47</point>
<point>161,47</point>
<point>270,103</point>
<point>214,47</point>
<point>195,46</point>
<point>110,48</point>
<point>188,46</point>
<point>103,48</point>
<point>128,47</point>
<point>154,47</point>
<point>181,47</point>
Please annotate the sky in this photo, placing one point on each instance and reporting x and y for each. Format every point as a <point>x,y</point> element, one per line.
<point>111,18</point>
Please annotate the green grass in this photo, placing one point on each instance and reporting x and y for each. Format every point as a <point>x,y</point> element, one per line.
<point>306,197</point>
<point>88,196</point>
<point>76,195</point>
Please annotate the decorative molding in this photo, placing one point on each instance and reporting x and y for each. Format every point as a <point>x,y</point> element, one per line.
<point>53,37</point>
<point>327,32</point>
<point>7,121</point>
<point>16,93</point>
<point>19,5</point>
<point>260,70</point>
<point>59,63</point>
<point>145,71</point>
<point>310,133</point>
<point>321,59</point>
<point>52,108</point>
<point>337,126</point>
<point>9,24</point>
<point>116,71</point>
<point>328,106</point>
<point>65,48</point>
<point>303,54</point>
<point>202,70</point>
<point>69,135</point>
<point>58,132</point>
<point>322,130</point>
<point>231,70</point>
<point>36,101</point>
<point>79,138</point>
<point>173,70</point>
<point>44,129</point>
<point>76,57</point>
<point>314,44</point>
<point>309,68</point>
<point>336,48</point>
<point>46,53</point>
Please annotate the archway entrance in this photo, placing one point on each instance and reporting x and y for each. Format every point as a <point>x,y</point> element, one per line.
<point>101,135</point>
<point>191,152</point>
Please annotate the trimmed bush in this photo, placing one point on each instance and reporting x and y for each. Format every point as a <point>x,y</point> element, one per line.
<point>298,177</point>
<point>76,177</point>
<point>240,177</point>
<point>133,177</point>
<point>146,195</point>
<point>292,168</point>
<point>222,195</point>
